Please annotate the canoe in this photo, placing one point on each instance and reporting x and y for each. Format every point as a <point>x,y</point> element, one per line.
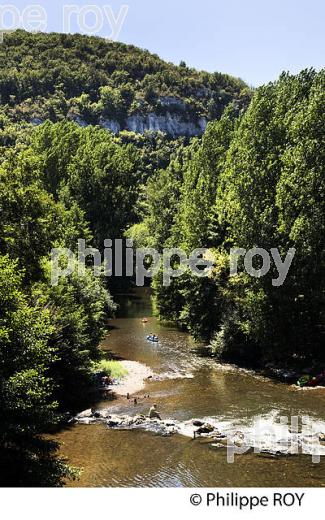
<point>153,340</point>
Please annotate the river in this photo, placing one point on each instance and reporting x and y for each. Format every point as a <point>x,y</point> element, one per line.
<point>189,386</point>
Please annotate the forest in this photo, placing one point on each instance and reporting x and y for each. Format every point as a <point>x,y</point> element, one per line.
<point>60,76</point>
<point>255,179</point>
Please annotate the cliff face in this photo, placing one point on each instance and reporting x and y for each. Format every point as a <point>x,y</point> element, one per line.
<point>174,119</point>
<point>174,125</point>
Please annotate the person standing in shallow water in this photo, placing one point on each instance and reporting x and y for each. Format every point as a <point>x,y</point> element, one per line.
<point>153,413</point>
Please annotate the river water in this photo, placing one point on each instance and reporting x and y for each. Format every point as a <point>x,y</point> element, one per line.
<point>189,386</point>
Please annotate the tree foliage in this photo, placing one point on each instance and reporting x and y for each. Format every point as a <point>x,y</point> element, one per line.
<point>256,181</point>
<point>54,76</point>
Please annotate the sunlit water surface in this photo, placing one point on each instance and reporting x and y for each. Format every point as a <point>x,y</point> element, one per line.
<point>190,386</point>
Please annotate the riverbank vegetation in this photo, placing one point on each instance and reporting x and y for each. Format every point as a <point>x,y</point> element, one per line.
<point>256,178</point>
<point>113,369</point>
<point>49,336</point>
<point>253,181</point>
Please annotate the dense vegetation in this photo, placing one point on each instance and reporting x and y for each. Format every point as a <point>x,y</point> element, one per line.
<point>60,182</point>
<point>54,76</point>
<point>256,178</point>
<point>254,181</point>
<point>49,336</point>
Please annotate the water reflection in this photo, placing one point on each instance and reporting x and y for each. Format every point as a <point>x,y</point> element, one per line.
<point>190,386</point>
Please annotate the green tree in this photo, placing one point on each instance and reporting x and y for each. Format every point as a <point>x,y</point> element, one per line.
<point>272,195</point>
<point>30,220</point>
<point>27,407</point>
<point>78,310</point>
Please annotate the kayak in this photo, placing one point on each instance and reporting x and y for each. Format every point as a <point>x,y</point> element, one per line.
<point>152,339</point>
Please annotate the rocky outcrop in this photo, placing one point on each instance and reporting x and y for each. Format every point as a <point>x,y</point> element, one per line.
<point>126,422</point>
<point>175,124</point>
<point>172,124</point>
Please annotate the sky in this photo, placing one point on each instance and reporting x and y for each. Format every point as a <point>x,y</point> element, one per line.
<point>252,39</point>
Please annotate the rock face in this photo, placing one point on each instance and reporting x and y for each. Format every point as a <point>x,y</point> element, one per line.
<point>172,124</point>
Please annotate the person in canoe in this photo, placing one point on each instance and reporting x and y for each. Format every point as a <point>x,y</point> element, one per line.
<point>152,337</point>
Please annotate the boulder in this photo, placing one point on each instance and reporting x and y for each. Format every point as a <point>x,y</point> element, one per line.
<point>196,422</point>
<point>139,419</point>
<point>84,414</point>
<point>111,423</point>
<point>207,428</point>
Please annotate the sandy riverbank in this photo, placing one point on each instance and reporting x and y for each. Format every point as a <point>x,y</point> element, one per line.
<point>135,379</point>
